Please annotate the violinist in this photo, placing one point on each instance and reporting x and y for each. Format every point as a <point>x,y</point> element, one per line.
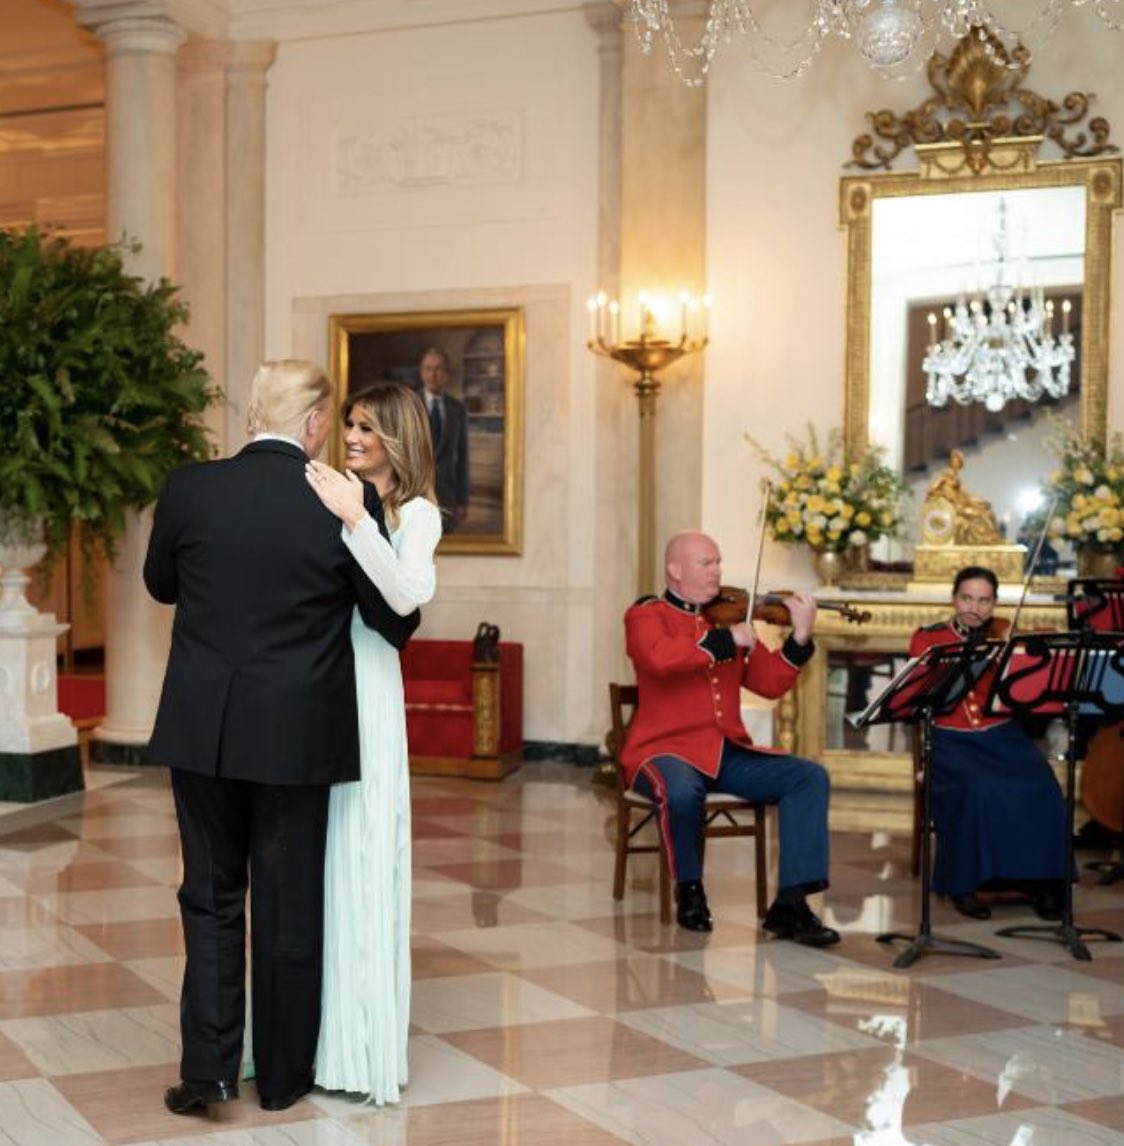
<point>688,739</point>
<point>997,807</point>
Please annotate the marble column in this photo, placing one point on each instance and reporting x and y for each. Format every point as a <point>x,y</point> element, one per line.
<point>663,249</point>
<point>141,94</point>
<point>615,436</point>
<point>201,216</point>
<point>249,61</point>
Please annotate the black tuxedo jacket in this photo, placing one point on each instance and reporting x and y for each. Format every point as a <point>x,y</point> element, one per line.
<point>260,683</point>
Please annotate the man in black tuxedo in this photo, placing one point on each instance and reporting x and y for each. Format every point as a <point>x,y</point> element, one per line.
<point>257,719</point>
<point>448,424</point>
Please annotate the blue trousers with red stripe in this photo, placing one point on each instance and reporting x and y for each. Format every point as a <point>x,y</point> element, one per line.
<point>800,789</point>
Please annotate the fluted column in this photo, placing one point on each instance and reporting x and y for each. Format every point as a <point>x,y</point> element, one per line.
<point>615,438</point>
<point>141,203</point>
<point>201,209</point>
<point>663,248</point>
<point>249,61</point>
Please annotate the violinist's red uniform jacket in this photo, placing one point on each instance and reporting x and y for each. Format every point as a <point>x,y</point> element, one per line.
<point>690,674</point>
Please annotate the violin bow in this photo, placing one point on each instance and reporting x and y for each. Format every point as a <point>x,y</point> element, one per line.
<point>767,490</point>
<point>1031,566</point>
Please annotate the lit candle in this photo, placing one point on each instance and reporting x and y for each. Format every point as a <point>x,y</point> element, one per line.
<point>684,303</point>
<point>615,322</point>
<point>1049,324</point>
<point>1066,306</point>
<point>591,324</point>
<point>932,329</point>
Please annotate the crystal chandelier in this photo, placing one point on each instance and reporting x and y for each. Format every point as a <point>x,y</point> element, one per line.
<point>1000,345</point>
<point>887,32</point>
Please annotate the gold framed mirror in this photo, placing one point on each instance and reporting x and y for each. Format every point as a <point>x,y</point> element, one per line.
<point>974,154</point>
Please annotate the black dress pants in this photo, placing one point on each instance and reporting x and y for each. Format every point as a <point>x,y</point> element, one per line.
<point>270,838</point>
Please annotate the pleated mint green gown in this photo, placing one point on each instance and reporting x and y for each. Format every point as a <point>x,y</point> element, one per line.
<point>365,1011</point>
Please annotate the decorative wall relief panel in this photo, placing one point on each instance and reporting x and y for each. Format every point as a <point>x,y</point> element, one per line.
<point>459,151</point>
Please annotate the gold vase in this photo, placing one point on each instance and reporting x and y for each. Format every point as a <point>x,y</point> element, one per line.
<point>1099,563</point>
<point>828,565</point>
<point>857,558</point>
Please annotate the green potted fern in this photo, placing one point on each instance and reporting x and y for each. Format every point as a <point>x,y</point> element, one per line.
<point>99,398</point>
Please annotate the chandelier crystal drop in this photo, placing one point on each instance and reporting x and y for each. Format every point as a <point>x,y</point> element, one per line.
<point>887,32</point>
<point>1000,345</point>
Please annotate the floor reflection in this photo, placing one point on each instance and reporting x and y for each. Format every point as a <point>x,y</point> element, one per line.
<point>544,1012</point>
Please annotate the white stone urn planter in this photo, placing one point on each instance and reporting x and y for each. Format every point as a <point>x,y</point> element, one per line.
<point>21,548</point>
<point>38,745</point>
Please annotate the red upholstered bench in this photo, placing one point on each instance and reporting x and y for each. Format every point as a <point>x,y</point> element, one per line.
<point>463,717</point>
<point>82,698</point>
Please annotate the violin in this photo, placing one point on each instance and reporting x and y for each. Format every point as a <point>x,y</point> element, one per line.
<point>731,607</point>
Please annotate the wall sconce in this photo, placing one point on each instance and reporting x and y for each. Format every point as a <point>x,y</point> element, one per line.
<point>669,329</point>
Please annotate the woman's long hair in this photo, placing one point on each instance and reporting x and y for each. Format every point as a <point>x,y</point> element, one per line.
<point>398,416</point>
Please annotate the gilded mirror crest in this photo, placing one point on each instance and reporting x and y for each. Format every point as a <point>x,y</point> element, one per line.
<point>980,117</point>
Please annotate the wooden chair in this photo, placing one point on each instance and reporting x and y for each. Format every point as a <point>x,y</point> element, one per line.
<point>724,817</point>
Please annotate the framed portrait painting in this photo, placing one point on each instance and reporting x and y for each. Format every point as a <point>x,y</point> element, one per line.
<point>467,366</point>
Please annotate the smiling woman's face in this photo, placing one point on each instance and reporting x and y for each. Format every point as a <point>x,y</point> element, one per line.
<point>365,453</point>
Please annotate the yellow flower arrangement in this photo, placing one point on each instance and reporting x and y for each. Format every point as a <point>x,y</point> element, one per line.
<point>1089,486</point>
<point>823,500</point>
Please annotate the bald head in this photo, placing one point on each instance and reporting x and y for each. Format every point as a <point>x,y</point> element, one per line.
<point>693,564</point>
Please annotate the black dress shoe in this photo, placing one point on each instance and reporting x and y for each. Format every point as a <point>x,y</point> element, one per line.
<point>797,921</point>
<point>1047,903</point>
<point>970,906</point>
<point>693,913</point>
<point>189,1097</point>
<point>284,1101</point>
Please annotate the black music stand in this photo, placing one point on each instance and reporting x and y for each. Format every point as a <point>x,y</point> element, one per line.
<point>1070,674</point>
<point>1097,604</point>
<point>930,685</point>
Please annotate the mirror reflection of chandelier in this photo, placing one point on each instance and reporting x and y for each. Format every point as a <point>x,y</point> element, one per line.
<point>887,32</point>
<point>999,345</point>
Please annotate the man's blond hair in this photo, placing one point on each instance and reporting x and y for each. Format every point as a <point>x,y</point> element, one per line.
<point>282,395</point>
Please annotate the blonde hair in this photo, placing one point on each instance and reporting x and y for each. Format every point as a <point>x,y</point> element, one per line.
<point>399,418</point>
<point>282,395</point>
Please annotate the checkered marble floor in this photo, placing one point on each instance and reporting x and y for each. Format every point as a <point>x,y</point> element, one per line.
<point>544,1013</point>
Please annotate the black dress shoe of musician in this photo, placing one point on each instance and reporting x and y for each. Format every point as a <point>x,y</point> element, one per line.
<point>693,912</point>
<point>1047,902</point>
<point>798,922</point>
<point>190,1097</point>
<point>284,1101</point>
<point>970,906</point>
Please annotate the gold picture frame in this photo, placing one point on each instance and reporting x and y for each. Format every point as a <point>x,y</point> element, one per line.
<point>485,352</point>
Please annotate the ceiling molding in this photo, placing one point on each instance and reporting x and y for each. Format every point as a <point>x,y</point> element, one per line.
<point>303,20</point>
<point>208,18</point>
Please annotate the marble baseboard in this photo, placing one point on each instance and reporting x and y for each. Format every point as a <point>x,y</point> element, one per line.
<point>31,776</point>
<point>586,755</point>
<point>109,752</point>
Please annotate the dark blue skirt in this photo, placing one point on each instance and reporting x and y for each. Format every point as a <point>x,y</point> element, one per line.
<point>998,810</point>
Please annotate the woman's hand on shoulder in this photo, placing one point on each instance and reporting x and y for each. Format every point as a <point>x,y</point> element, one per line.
<point>340,493</point>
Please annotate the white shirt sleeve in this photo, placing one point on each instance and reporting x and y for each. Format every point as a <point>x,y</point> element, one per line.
<point>408,578</point>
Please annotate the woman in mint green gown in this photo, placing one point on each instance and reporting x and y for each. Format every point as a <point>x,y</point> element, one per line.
<point>365,1011</point>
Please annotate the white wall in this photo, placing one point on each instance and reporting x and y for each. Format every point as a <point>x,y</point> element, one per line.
<point>369,209</point>
<point>410,236</point>
<point>777,260</point>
